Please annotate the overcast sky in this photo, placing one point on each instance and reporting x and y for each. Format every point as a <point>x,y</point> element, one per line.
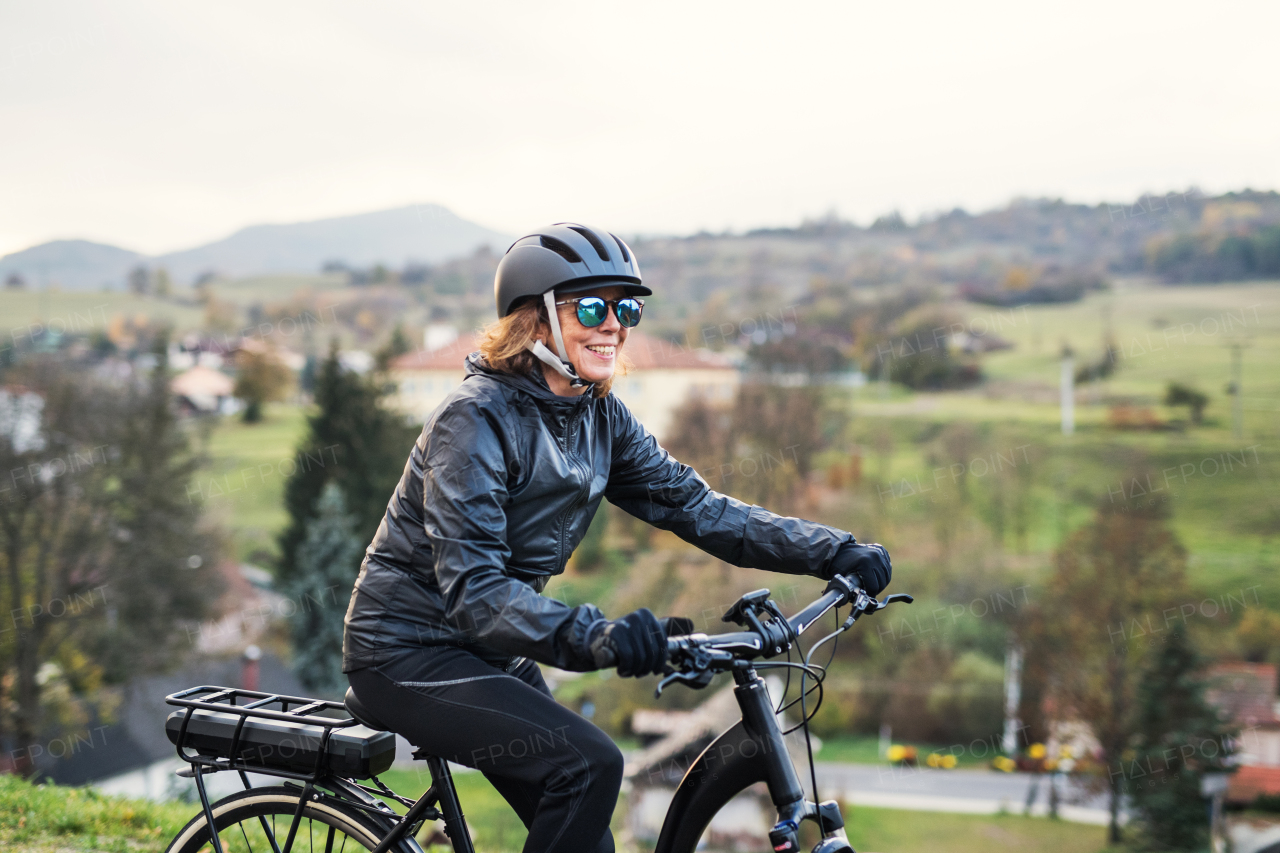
<point>161,125</point>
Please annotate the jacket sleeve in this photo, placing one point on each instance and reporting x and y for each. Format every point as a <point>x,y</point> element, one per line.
<point>464,497</point>
<point>645,481</point>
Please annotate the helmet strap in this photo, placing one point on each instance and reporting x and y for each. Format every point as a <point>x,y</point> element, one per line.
<point>559,364</point>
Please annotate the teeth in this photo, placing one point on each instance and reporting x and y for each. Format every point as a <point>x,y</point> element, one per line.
<point>603,350</point>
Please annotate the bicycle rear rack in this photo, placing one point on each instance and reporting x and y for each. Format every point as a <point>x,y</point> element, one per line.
<point>224,700</point>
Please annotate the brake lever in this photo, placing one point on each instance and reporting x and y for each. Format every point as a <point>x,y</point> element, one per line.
<point>905,598</point>
<point>696,680</point>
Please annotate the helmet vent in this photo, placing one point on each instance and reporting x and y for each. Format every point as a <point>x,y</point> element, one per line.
<point>560,248</point>
<point>626,257</point>
<point>593,240</point>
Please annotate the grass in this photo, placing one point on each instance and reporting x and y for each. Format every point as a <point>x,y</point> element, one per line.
<point>47,818</point>
<point>243,486</point>
<point>872,829</point>
<point>493,824</point>
<point>53,819</point>
<point>855,749</point>
<point>26,314</point>
<point>1161,334</point>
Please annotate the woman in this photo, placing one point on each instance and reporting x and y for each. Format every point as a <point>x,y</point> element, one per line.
<point>447,624</point>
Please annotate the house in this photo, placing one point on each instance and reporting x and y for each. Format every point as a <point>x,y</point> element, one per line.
<point>1245,694</point>
<point>424,378</point>
<point>663,375</point>
<point>202,389</point>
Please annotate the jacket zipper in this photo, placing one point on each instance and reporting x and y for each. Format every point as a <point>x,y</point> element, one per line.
<point>573,460</point>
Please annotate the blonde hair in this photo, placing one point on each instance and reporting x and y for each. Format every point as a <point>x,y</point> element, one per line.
<point>504,344</point>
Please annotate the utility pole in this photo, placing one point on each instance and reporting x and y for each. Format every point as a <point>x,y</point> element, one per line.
<point>1067,391</point>
<point>1012,696</point>
<point>1237,390</point>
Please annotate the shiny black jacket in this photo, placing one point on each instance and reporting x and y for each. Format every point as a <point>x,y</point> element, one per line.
<point>499,490</point>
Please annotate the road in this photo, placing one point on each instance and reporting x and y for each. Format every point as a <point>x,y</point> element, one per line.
<point>970,791</point>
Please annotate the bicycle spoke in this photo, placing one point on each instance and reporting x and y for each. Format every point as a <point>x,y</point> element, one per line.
<point>271,836</point>
<point>246,837</point>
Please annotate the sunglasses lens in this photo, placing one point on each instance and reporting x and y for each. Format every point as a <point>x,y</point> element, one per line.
<point>628,312</point>
<point>591,311</point>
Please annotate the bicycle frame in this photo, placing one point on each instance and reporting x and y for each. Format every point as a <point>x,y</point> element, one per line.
<point>750,751</point>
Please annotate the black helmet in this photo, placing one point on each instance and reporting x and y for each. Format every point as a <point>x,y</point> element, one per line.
<point>565,257</point>
<point>560,259</point>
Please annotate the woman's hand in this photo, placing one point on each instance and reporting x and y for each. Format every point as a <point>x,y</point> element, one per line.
<point>869,563</point>
<point>636,644</point>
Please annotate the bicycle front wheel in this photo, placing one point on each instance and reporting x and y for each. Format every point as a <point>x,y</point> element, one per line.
<point>258,820</point>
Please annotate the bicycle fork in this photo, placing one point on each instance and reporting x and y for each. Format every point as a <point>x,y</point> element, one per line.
<point>785,789</point>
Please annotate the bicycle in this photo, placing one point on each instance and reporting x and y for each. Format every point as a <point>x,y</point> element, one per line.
<point>333,755</point>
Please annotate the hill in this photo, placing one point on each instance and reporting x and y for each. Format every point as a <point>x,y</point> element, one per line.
<point>422,233</point>
<point>71,264</point>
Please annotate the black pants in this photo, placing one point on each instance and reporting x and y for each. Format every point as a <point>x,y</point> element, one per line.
<point>560,773</point>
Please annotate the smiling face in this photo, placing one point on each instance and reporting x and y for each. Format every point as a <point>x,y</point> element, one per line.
<point>592,351</point>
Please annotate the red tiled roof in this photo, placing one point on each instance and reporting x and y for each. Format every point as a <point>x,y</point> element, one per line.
<point>448,357</point>
<point>1248,782</point>
<point>1246,692</point>
<point>644,351</point>
<point>650,353</point>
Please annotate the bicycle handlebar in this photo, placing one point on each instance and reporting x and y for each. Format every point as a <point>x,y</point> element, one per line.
<point>702,653</point>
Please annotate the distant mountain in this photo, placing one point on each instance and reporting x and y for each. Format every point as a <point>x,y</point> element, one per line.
<point>71,264</point>
<point>425,233</point>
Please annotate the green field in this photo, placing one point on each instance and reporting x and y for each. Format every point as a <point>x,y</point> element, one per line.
<point>243,485</point>
<point>1161,334</point>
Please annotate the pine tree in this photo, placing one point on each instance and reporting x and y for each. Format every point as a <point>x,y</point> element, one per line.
<point>1180,738</point>
<point>351,440</point>
<point>158,529</point>
<point>327,561</point>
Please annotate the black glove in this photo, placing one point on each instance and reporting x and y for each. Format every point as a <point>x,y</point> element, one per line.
<point>636,644</point>
<point>869,563</point>
<point>676,626</point>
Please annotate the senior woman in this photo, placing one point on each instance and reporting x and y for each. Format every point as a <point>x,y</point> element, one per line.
<point>447,622</point>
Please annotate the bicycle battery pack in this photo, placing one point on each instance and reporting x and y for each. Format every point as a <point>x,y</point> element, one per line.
<point>354,752</point>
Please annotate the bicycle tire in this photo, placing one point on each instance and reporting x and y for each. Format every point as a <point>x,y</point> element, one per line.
<point>237,818</point>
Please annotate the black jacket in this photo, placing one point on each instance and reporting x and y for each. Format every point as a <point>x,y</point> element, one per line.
<point>499,490</point>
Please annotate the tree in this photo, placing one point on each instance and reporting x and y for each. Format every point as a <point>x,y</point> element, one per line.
<point>398,344</point>
<point>158,528</point>
<point>1113,583</point>
<point>1180,738</point>
<point>366,445</point>
<point>96,529</point>
<point>328,559</point>
<point>1181,395</point>
<point>761,450</point>
<point>262,379</point>
<point>140,280</point>
<point>163,284</point>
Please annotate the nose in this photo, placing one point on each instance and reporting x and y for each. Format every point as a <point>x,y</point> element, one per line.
<point>610,323</point>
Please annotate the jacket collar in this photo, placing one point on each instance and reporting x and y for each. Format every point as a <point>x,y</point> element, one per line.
<point>533,384</point>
